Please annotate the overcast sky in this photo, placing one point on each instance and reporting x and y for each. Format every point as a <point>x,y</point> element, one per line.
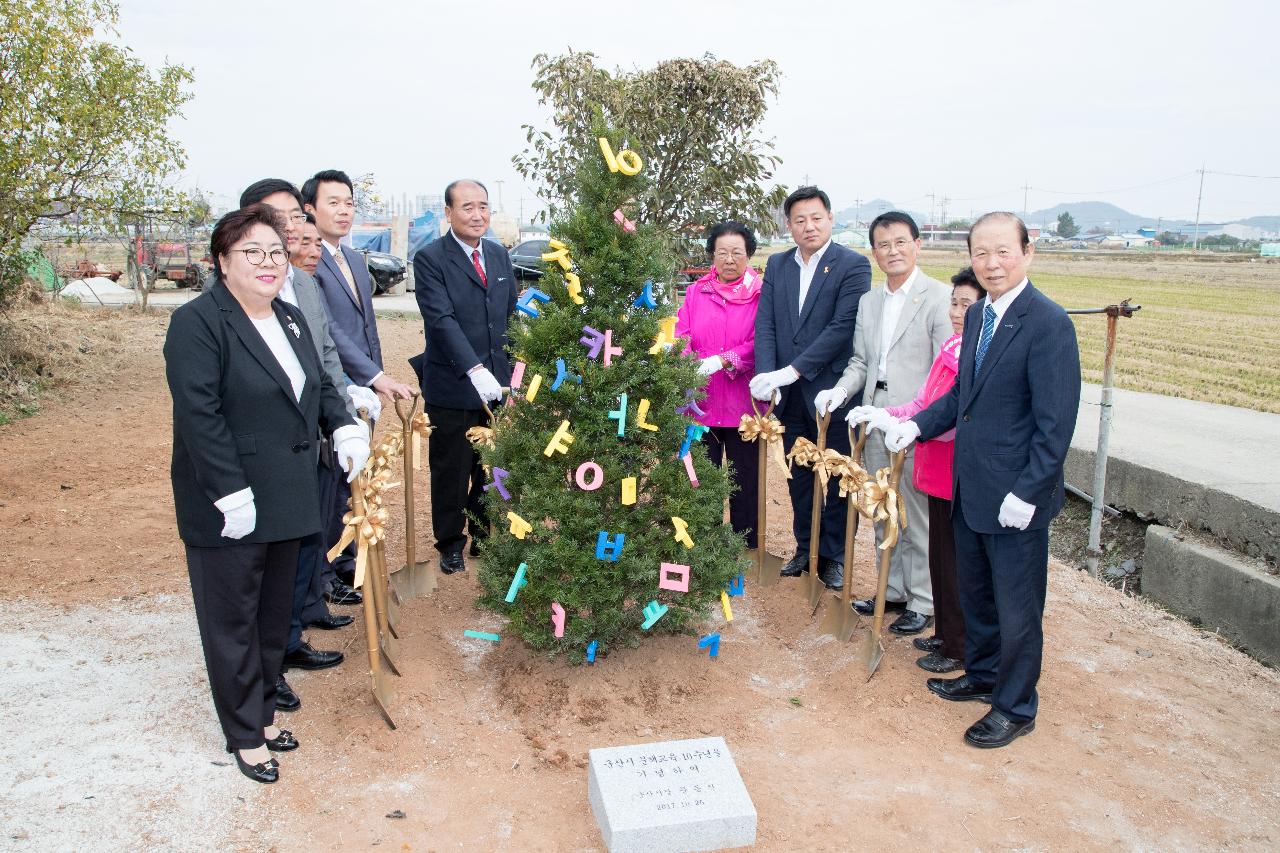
<point>1113,101</point>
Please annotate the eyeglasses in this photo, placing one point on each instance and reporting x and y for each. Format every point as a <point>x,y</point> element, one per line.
<point>256,256</point>
<point>296,218</point>
<point>900,244</point>
<point>726,254</point>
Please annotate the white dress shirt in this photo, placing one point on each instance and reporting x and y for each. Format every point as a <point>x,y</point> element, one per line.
<point>469,249</point>
<point>807,271</point>
<point>890,314</point>
<point>287,293</point>
<point>1002,304</point>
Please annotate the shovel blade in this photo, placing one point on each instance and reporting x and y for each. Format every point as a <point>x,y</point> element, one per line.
<point>765,568</point>
<point>393,615</point>
<point>813,592</point>
<point>390,649</point>
<point>839,620</point>
<point>871,652</point>
<point>383,696</point>
<point>402,584</point>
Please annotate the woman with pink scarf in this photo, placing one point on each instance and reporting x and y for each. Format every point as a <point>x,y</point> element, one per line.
<point>933,477</point>
<point>719,319</point>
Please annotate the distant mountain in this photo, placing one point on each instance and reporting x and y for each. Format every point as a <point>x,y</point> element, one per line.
<point>869,210</point>
<point>1266,223</point>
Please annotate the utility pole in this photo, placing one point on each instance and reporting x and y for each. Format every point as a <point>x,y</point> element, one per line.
<point>500,207</point>
<point>1195,244</point>
<point>857,212</point>
<point>1025,188</point>
<point>945,200</point>
<point>933,225</point>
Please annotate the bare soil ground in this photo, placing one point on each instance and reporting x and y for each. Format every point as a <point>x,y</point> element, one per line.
<point>1152,734</point>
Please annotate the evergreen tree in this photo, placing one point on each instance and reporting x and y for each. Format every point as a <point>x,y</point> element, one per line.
<point>1067,225</point>
<point>612,267</point>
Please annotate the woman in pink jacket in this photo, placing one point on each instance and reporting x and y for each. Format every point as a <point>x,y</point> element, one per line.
<point>933,477</point>
<point>719,319</point>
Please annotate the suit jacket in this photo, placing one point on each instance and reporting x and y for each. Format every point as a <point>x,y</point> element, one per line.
<point>351,321</point>
<point>923,327</point>
<point>237,425</point>
<point>464,321</point>
<point>816,338</point>
<point>1013,421</point>
<point>311,305</point>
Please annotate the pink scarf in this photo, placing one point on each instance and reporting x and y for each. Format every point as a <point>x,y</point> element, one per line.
<point>737,292</point>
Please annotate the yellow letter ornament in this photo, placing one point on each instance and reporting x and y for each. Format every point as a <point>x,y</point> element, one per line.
<point>519,527</point>
<point>626,161</point>
<point>560,441</point>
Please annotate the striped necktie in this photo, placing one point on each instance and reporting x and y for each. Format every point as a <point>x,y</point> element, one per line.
<point>984,340</point>
<point>340,259</point>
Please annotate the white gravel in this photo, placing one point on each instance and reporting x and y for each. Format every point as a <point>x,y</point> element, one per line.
<point>110,734</point>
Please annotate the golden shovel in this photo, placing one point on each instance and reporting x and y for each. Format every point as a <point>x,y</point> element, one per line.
<point>766,566</point>
<point>812,590</point>
<point>840,619</point>
<point>414,578</point>
<point>872,649</point>
<point>383,694</point>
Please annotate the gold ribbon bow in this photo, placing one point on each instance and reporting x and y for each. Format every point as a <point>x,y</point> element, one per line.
<point>365,523</point>
<point>825,463</point>
<point>852,476</point>
<point>879,502</point>
<point>481,436</point>
<point>770,429</point>
<point>419,428</point>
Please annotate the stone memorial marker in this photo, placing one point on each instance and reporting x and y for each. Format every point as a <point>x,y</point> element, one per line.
<point>673,796</point>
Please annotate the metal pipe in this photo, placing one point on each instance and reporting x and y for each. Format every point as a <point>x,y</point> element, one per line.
<point>1085,496</point>
<point>1104,442</point>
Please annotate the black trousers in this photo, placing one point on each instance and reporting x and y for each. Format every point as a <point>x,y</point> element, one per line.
<point>744,458</point>
<point>795,417</point>
<point>339,494</point>
<point>308,589</point>
<point>243,595</point>
<point>1003,579</point>
<point>457,478</point>
<point>948,618</point>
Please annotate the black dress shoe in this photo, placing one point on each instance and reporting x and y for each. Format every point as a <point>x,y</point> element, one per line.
<point>305,657</point>
<point>996,730</point>
<point>283,742</point>
<point>795,566</point>
<point>347,575</point>
<point>910,622</point>
<point>286,699</point>
<point>867,606</point>
<point>331,621</point>
<point>340,593</point>
<point>938,662</point>
<point>831,572</point>
<point>927,644</point>
<point>265,773</point>
<point>959,689</point>
<point>452,562</point>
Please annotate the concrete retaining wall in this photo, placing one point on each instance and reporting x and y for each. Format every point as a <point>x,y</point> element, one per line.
<point>1252,529</point>
<point>1219,590</point>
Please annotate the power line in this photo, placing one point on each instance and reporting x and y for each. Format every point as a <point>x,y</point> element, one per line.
<point>1255,177</point>
<point>1181,177</point>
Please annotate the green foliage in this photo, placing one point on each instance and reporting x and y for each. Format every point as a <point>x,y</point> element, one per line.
<point>603,599</point>
<point>1171,238</point>
<point>83,125</point>
<point>698,120</point>
<point>1067,225</point>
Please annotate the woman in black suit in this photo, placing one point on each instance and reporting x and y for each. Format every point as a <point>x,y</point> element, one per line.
<point>249,401</point>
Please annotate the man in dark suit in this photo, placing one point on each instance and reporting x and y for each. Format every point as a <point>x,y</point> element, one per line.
<point>1013,408</point>
<point>804,337</point>
<point>466,291</point>
<point>343,277</point>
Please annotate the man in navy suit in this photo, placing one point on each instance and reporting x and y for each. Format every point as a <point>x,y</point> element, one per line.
<point>1013,408</point>
<point>343,278</point>
<point>804,337</point>
<point>466,290</point>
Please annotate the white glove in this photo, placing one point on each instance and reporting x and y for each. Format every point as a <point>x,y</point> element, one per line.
<point>484,383</point>
<point>882,421</point>
<point>240,520</point>
<point>365,398</point>
<point>861,415</point>
<point>828,401</point>
<point>351,443</point>
<point>900,435</point>
<point>764,384</point>
<point>710,365</point>
<point>1015,512</point>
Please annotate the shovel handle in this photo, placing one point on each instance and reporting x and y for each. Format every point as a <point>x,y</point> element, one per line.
<point>824,421</point>
<point>406,419</point>
<point>755,406</point>
<point>857,439</point>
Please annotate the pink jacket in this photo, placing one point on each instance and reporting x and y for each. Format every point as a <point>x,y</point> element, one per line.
<point>717,327</point>
<point>933,458</point>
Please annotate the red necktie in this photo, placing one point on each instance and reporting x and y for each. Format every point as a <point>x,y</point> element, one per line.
<point>475,260</point>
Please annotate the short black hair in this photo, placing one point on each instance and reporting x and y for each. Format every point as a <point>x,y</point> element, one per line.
<point>256,192</point>
<point>731,227</point>
<point>311,218</point>
<point>448,191</point>
<point>232,228</point>
<point>1000,214</point>
<point>312,186</point>
<point>803,194</point>
<point>967,278</point>
<point>888,218</point>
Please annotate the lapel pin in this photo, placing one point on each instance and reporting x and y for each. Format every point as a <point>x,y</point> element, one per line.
<point>826,270</point>
<point>293,327</point>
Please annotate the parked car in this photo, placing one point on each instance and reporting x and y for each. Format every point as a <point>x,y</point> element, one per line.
<point>526,258</point>
<point>385,270</point>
